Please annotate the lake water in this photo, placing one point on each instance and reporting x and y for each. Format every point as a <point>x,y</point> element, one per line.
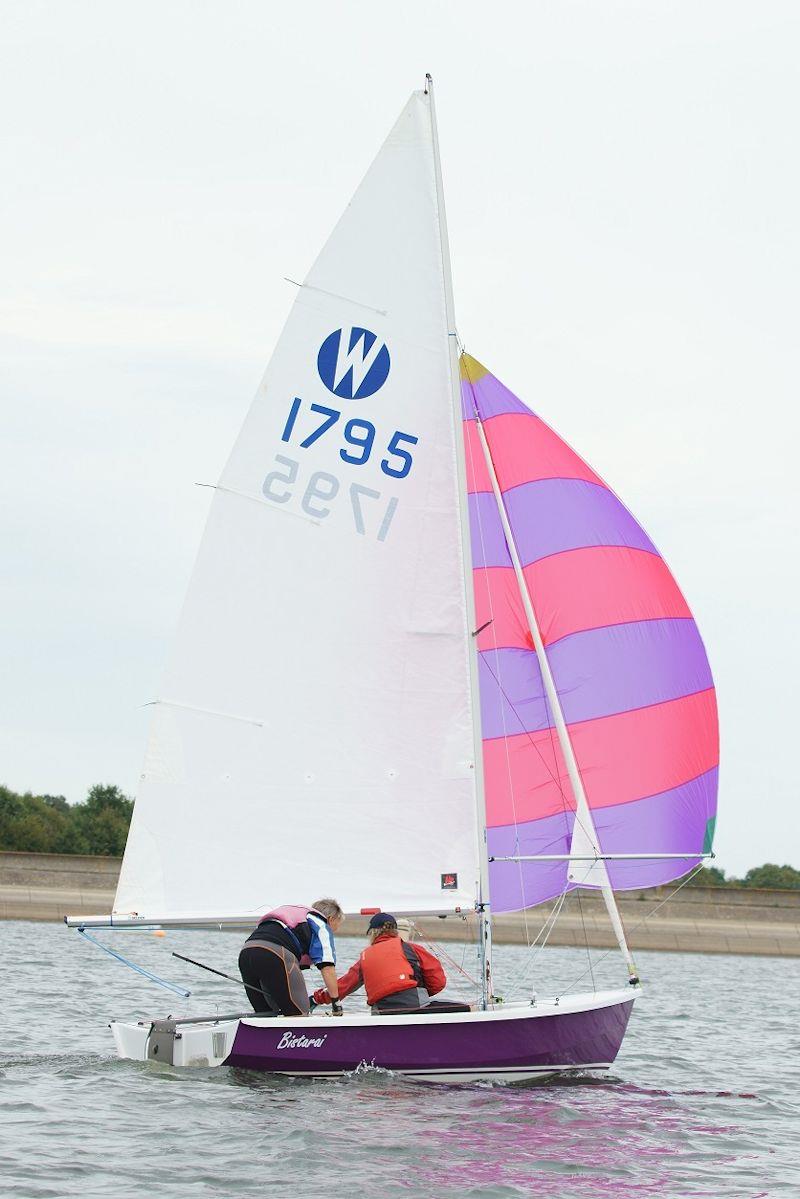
<point>704,1098</point>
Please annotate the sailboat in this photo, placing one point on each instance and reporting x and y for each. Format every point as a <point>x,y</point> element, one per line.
<point>428,663</point>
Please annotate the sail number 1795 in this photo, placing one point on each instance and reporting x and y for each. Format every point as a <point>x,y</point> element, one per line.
<point>357,434</point>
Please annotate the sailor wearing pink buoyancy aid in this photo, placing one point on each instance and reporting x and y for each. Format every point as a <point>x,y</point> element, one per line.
<point>287,940</point>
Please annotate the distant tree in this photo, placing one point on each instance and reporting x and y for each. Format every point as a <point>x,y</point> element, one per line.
<point>56,801</point>
<point>32,834</point>
<point>106,797</point>
<point>711,876</point>
<point>769,875</point>
<point>11,809</point>
<point>103,819</point>
<point>71,837</point>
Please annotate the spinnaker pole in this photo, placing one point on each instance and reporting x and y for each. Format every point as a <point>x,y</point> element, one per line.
<point>482,904</point>
<point>585,833</point>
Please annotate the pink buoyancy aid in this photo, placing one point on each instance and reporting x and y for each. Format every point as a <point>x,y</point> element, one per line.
<point>290,915</point>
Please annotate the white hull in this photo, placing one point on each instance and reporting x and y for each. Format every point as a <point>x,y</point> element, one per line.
<point>511,1044</point>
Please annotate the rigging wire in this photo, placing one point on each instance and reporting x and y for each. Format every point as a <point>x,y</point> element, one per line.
<point>435,948</point>
<point>544,932</point>
<point>464,958</point>
<point>555,777</point>
<point>547,929</point>
<point>586,939</point>
<point>643,921</point>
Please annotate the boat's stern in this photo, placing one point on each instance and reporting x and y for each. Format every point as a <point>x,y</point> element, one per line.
<point>175,1043</point>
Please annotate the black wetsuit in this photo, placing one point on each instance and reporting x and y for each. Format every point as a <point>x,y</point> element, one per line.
<point>270,962</point>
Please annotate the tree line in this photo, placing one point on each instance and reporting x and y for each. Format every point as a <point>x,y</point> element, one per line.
<point>99,825</point>
<point>48,824</point>
<point>783,878</point>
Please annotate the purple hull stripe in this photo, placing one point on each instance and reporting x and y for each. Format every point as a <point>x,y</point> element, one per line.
<point>670,821</point>
<point>598,672</point>
<point>490,397</point>
<point>570,1039</point>
<point>550,516</point>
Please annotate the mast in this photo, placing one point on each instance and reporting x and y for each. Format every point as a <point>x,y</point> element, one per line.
<point>585,842</point>
<point>482,904</point>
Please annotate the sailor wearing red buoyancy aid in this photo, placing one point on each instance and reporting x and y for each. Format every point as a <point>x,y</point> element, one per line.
<point>287,940</point>
<point>396,975</point>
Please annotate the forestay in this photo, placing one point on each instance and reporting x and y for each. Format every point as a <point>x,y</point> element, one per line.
<point>628,664</point>
<point>313,733</point>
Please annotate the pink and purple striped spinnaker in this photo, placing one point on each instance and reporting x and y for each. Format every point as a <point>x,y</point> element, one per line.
<point>627,660</point>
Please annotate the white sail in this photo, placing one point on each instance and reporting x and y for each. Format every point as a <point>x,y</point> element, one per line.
<point>313,734</point>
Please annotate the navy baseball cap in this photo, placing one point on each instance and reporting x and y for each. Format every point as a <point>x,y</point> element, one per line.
<point>382,920</point>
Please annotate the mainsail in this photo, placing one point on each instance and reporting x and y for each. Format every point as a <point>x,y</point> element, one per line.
<point>314,731</point>
<point>628,663</point>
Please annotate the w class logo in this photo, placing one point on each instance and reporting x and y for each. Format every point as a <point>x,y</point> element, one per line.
<point>353,363</point>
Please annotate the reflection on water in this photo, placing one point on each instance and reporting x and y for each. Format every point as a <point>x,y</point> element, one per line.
<point>700,1102</point>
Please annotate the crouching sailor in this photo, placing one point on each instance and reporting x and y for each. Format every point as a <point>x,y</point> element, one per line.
<point>397,976</point>
<point>287,941</point>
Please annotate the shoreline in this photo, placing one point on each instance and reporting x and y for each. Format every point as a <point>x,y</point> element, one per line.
<point>46,887</point>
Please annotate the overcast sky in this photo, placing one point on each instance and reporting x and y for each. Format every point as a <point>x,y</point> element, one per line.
<point>623,196</point>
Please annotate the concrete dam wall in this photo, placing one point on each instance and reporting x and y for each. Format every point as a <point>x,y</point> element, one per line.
<point>695,919</point>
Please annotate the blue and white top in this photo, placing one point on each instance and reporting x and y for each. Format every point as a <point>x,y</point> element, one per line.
<point>322,947</point>
<point>302,931</point>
